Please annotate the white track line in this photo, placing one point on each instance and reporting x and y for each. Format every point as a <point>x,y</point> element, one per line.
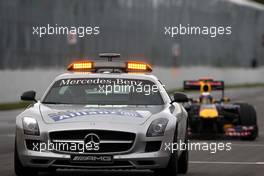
<point>223,162</point>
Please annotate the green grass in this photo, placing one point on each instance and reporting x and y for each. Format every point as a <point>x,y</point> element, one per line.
<point>14,105</point>
<point>24,104</point>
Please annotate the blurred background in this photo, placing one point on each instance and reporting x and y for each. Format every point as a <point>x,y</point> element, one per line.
<point>132,28</point>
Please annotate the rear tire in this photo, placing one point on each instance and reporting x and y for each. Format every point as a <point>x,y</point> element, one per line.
<point>248,117</point>
<point>20,170</point>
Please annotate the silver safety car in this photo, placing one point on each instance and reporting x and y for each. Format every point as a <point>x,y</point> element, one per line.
<point>102,115</point>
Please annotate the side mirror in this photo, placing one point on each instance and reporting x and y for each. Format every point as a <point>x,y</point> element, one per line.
<point>180,98</point>
<point>29,96</point>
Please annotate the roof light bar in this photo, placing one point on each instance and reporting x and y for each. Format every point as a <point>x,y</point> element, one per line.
<point>90,66</point>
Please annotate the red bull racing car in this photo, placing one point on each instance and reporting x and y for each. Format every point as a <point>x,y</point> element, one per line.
<point>210,116</point>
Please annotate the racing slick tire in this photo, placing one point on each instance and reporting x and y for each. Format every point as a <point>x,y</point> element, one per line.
<point>248,117</point>
<point>20,170</point>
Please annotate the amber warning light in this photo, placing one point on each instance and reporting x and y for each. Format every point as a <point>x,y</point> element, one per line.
<point>138,66</point>
<point>80,66</point>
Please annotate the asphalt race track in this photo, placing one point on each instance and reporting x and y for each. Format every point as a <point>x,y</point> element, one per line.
<point>244,159</point>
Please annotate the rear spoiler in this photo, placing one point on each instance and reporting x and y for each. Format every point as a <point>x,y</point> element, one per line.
<point>196,84</point>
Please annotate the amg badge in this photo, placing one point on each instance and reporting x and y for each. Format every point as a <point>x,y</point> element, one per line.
<point>92,158</point>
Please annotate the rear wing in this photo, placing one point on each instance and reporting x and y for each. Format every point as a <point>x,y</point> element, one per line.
<point>198,84</point>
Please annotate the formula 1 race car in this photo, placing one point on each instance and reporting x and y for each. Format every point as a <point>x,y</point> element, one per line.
<point>209,116</point>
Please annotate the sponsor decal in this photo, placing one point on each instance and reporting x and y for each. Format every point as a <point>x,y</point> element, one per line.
<point>98,81</point>
<point>68,115</point>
